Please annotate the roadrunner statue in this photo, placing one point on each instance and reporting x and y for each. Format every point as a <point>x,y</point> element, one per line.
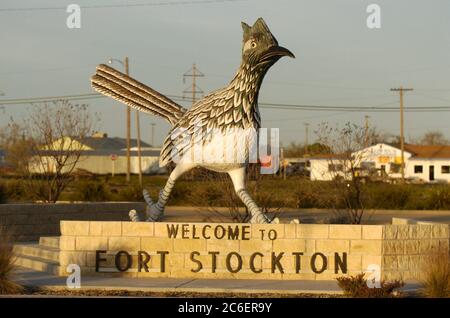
<point>234,107</point>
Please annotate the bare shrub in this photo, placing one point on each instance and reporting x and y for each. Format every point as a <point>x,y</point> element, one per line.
<point>436,275</point>
<point>55,135</point>
<point>7,267</point>
<point>357,287</point>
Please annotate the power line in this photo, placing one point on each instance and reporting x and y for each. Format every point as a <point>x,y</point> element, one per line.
<point>306,107</point>
<point>124,5</point>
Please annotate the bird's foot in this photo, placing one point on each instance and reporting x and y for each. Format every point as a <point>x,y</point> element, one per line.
<point>261,218</point>
<point>153,212</point>
<point>134,217</point>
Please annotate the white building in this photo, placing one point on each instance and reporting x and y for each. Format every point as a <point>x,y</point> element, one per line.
<point>101,154</point>
<point>422,163</point>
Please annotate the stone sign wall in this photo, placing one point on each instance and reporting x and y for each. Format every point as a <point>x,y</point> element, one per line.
<point>247,251</point>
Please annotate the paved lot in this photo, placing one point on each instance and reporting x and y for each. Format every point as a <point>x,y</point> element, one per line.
<point>193,214</point>
<point>40,279</point>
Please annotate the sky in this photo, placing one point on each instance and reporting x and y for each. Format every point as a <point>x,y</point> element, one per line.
<point>340,61</point>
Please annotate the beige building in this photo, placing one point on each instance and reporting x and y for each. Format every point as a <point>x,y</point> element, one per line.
<point>101,154</point>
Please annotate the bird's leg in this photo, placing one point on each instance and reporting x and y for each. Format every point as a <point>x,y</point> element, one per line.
<point>256,214</point>
<point>154,211</point>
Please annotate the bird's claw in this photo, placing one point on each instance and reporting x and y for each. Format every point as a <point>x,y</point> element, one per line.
<point>153,213</point>
<point>263,219</point>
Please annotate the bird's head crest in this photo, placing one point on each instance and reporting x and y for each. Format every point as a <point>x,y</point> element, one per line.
<point>260,47</point>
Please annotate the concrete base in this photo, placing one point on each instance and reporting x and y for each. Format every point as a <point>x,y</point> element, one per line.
<point>39,279</point>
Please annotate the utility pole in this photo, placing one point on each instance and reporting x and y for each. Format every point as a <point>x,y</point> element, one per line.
<point>366,131</point>
<point>153,134</point>
<point>401,90</point>
<point>306,137</point>
<point>128,178</point>
<point>138,128</point>
<point>194,89</point>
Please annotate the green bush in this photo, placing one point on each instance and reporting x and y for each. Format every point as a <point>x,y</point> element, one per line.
<point>3,197</point>
<point>356,287</point>
<point>386,196</point>
<point>93,191</point>
<point>15,190</point>
<point>132,193</point>
<point>439,198</point>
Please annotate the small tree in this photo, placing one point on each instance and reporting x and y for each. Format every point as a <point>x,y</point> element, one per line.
<point>56,132</point>
<point>299,150</point>
<point>344,167</point>
<point>17,147</point>
<point>432,138</point>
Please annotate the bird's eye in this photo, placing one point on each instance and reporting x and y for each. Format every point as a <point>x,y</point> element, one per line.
<point>253,44</point>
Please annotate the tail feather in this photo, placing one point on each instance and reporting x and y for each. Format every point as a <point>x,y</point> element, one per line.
<point>123,88</point>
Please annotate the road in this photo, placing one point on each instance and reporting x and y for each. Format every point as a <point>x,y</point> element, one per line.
<point>202,214</point>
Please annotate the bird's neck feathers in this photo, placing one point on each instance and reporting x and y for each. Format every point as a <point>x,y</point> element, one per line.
<point>248,81</point>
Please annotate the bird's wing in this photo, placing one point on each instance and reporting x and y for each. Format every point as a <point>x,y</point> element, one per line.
<point>110,82</point>
<point>220,110</point>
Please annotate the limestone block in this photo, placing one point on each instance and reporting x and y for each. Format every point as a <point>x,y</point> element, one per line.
<point>71,257</point>
<point>315,231</point>
<point>424,246</point>
<point>415,262</point>
<point>120,243</point>
<point>390,232</point>
<point>372,232</point>
<point>332,246</point>
<point>223,246</point>
<point>252,246</point>
<point>368,247</point>
<point>67,243</point>
<point>261,231</point>
<point>290,231</point>
<point>205,259</point>
<point>289,245</point>
<point>412,246</point>
<point>310,246</point>
<point>152,244</point>
<point>440,231</point>
<point>403,262</point>
<point>393,247</point>
<point>345,231</point>
<point>105,228</point>
<point>91,243</point>
<point>424,231</point>
<point>75,228</point>
<point>368,260</point>
<point>353,263</point>
<point>389,263</point>
<point>181,245</point>
<point>137,228</point>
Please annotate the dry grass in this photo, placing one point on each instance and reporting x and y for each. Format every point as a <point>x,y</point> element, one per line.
<point>436,275</point>
<point>7,259</point>
<point>357,287</point>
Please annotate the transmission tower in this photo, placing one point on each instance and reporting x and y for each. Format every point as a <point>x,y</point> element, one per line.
<point>193,89</point>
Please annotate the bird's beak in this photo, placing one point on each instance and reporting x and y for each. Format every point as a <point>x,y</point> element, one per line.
<point>276,52</point>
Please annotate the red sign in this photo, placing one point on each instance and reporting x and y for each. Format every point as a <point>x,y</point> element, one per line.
<point>113,157</point>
